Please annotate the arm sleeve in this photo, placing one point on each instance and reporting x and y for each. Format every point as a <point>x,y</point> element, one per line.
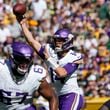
<point>70,68</point>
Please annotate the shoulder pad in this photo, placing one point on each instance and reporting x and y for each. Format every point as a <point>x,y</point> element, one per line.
<point>70,57</point>
<point>75,55</point>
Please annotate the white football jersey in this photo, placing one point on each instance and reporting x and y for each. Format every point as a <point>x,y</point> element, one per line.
<point>69,83</point>
<point>15,96</point>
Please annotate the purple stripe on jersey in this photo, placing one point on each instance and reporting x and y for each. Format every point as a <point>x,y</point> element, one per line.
<point>70,68</point>
<point>32,107</point>
<point>69,101</point>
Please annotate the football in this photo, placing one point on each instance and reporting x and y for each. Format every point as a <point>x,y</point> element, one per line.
<point>19,9</point>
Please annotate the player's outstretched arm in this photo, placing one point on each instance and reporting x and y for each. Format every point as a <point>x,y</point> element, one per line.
<point>28,35</point>
<point>19,10</point>
<point>48,93</point>
<point>30,38</point>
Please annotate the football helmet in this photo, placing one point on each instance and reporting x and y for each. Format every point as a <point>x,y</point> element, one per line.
<point>66,37</point>
<point>21,57</point>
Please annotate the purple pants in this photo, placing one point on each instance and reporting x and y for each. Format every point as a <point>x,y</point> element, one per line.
<point>71,101</point>
<point>32,107</point>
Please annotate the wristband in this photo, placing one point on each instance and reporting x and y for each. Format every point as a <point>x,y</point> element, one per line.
<point>52,62</point>
<point>41,52</point>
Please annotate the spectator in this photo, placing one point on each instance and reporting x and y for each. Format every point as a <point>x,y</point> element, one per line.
<point>39,8</point>
<point>103,10</point>
<point>14,27</point>
<point>4,31</point>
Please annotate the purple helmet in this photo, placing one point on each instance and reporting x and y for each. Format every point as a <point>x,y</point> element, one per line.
<point>66,36</point>
<point>21,57</point>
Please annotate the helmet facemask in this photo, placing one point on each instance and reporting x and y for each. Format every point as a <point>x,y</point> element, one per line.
<point>21,64</point>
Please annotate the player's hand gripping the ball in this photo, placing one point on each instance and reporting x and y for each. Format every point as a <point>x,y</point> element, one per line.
<point>19,9</point>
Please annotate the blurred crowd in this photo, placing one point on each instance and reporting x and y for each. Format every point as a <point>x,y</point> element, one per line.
<point>89,21</point>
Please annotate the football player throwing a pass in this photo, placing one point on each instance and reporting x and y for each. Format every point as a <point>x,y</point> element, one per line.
<point>62,63</point>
